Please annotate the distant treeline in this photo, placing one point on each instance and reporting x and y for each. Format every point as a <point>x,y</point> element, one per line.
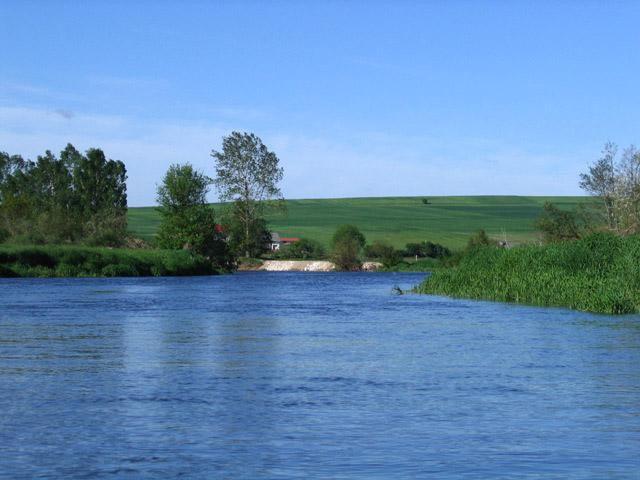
<point>71,198</point>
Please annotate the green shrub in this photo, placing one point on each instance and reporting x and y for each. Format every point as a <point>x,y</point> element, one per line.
<point>426,249</point>
<point>558,225</point>
<point>303,249</point>
<point>385,252</point>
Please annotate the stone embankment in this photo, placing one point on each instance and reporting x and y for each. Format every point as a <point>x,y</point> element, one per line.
<point>308,266</point>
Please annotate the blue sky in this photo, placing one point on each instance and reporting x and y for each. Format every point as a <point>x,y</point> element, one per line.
<point>356,98</point>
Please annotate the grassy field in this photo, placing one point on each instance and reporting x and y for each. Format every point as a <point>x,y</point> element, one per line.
<point>398,220</point>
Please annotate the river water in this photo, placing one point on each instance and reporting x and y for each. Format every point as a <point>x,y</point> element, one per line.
<point>308,375</point>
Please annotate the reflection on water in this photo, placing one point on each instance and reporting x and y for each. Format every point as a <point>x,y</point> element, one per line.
<point>308,375</point>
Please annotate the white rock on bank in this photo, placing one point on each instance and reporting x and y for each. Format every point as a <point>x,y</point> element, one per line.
<point>309,266</point>
<point>297,266</point>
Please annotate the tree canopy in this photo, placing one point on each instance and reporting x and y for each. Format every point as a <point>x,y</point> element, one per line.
<point>188,222</point>
<point>70,198</point>
<point>247,174</point>
<point>344,232</point>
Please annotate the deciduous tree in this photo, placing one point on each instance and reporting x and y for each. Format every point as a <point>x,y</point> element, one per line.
<point>247,174</point>
<point>188,222</point>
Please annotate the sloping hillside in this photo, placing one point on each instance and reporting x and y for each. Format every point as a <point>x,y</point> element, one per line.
<point>447,220</point>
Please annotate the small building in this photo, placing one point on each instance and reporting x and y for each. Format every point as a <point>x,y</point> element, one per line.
<point>277,241</point>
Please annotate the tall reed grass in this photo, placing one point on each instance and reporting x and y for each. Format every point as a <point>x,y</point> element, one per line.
<point>599,273</point>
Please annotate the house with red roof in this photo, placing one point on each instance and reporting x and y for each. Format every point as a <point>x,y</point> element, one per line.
<point>277,241</point>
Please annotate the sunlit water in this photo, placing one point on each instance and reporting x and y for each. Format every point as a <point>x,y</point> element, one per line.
<point>260,375</point>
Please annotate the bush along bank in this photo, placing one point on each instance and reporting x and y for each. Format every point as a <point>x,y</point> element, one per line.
<point>75,261</point>
<point>599,273</point>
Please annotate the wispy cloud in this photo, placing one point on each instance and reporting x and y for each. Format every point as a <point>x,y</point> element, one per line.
<point>64,113</point>
<point>370,164</point>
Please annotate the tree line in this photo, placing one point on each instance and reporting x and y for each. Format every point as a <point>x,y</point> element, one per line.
<point>69,198</point>
<point>81,198</point>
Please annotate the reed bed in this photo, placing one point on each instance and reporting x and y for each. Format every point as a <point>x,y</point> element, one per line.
<point>599,273</point>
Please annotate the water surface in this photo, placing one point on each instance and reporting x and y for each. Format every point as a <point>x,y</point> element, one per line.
<point>318,375</point>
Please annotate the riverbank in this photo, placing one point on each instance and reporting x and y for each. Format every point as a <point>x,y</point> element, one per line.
<point>80,261</point>
<point>300,266</point>
<point>599,273</point>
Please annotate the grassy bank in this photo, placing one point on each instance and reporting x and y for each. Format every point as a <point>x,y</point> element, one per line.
<point>600,273</point>
<point>397,220</point>
<point>77,261</point>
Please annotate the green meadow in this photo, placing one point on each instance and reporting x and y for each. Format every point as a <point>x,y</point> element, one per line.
<point>398,220</point>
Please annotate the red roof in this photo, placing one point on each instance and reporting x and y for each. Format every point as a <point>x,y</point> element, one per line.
<point>289,239</point>
<point>218,228</point>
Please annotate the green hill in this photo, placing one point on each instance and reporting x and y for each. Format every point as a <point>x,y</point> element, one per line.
<point>446,220</point>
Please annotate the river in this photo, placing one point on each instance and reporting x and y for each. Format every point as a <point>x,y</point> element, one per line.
<point>308,375</point>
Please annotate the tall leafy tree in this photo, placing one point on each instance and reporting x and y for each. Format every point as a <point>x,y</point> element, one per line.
<point>187,220</point>
<point>247,174</point>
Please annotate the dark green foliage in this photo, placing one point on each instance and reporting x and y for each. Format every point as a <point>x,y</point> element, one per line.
<point>598,273</point>
<point>348,232</point>
<point>346,254</point>
<point>558,225</point>
<point>34,257</point>
<point>425,201</point>
<point>391,257</point>
<point>426,249</point>
<point>384,251</point>
<point>376,250</point>
<point>255,243</point>
<point>303,249</point>
<point>347,241</point>
<point>187,221</point>
<point>74,261</point>
<point>6,272</point>
<point>74,198</point>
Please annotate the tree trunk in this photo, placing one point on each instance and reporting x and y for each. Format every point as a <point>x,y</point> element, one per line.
<point>246,238</point>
